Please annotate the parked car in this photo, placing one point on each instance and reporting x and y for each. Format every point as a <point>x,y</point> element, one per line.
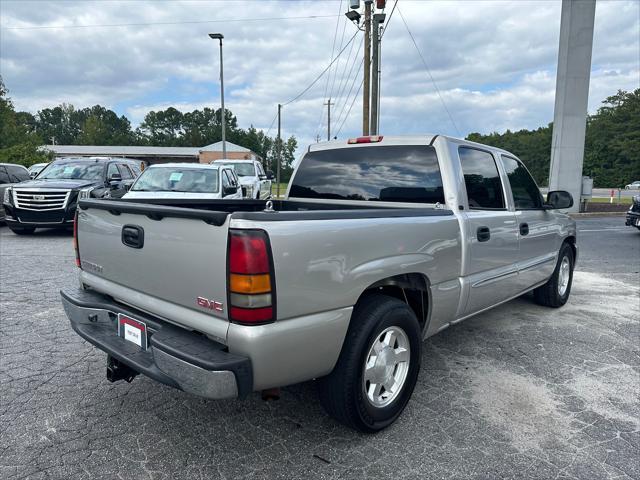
<point>255,182</point>
<point>380,243</point>
<point>633,186</point>
<point>49,201</point>
<point>10,174</point>
<point>36,168</point>
<point>186,180</point>
<point>633,214</point>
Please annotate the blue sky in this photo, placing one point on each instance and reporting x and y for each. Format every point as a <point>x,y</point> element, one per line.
<point>493,62</point>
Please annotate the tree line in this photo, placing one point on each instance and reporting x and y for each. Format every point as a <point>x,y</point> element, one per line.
<point>23,133</point>
<point>612,143</point>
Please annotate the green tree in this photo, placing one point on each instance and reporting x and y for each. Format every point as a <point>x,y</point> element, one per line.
<point>612,143</point>
<point>18,143</point>
<point>61,124</point>
<point>102,126</point>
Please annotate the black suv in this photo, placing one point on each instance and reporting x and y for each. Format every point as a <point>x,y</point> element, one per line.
<point>11,174</point>
<point>50,200</point>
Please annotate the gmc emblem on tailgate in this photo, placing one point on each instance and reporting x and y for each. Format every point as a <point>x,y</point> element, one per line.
<point>209,304</point>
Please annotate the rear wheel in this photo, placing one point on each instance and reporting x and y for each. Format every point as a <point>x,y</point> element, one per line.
<point>23,231</point>
<point>555,292</point>
<point>377,369</point>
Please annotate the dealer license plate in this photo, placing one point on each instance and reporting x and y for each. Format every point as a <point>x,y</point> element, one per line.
<point>132,330</point>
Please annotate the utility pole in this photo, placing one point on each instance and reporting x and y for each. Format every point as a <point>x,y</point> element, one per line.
<point>378,18</point>
<point>328,104</point>
<point>366,94</point>
<point>223,117</point>
<point>278,146</point>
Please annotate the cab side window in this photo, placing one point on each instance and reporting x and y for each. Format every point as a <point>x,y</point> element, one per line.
<point>232,179</point>
<point>481,178</point>
<point>4,177</point>
<point>526,194</point>
<point>260,169</point>
<point>225,180</point>
<point>124,171</point>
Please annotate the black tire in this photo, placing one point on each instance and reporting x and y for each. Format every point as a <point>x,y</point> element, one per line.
<point>549,294</point>
<point>342,392</point>
<point>23,231</point>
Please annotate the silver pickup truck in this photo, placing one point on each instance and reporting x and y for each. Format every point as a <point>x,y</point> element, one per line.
<point>380,243</point>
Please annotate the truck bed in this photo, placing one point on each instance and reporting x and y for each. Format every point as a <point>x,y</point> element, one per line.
<point>216,212</point>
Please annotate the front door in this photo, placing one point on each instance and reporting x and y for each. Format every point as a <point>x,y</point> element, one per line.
<point>539,234</point>
<point>491,233</point>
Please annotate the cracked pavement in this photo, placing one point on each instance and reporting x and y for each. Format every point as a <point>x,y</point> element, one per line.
<point>521,391</point>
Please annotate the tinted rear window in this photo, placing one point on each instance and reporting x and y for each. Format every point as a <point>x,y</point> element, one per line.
<point>379,173</point>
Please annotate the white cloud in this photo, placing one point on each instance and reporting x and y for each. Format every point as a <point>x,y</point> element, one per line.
<point>494,62</point>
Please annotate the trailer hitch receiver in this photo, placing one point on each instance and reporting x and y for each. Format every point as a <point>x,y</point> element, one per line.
<point>117,370</point>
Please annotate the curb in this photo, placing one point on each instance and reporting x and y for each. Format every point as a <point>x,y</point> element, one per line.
<point>597,214</point>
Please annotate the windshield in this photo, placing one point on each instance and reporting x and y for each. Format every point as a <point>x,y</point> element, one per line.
<point>381,173</point>
<point>73,171</point>
<point>176,179</point>
<point>243,169</point>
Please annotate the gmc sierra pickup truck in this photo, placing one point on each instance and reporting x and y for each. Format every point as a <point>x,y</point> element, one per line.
<point>380,243</point>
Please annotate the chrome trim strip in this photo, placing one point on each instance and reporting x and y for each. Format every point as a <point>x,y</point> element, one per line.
<point>495,278</point>
<point>537,263</point>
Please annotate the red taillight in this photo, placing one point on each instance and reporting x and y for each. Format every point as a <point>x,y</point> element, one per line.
<point>75,240</point>
<point>370,139</point>
<point>248,253</point>
<point>250,280</point>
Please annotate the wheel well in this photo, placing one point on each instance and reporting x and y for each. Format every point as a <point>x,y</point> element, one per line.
<point>411,288</point>
<point>572,241</point>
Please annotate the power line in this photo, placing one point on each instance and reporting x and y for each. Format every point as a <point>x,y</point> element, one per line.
<point>429,72</point>
<point>350,107</point>
<point>348,79</point>
<point>345,80</point>
<point>271,126</point>
<point>326,85</point>
<point>389,21</point>
<point>353,82</point>
<point>321,73</point>
<point>335,72</point>
<point>186,22</point>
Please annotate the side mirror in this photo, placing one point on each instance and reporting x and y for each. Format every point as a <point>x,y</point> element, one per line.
<point>116,177</point>
<point>229,191</point>
<point>559,200</point>
<point>270,175</point>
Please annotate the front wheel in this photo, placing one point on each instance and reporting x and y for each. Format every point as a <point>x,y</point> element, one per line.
<point>555,292</point>
<point>378,366</point>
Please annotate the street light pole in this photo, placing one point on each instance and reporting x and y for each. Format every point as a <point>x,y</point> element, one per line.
<point>219,36</point>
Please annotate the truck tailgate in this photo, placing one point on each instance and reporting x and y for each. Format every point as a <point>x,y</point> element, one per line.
<point>178,272</point>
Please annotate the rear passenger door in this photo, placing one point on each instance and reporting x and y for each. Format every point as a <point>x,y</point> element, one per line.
<point>539,235</point>
<point>491,264</point>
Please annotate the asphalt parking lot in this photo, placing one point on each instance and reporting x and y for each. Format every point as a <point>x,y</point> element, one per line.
<point>519,392</point>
